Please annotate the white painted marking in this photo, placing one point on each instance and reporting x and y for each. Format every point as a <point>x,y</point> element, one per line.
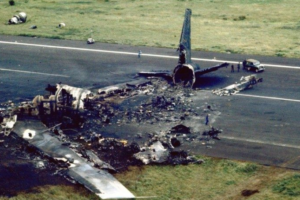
<point>144,54</point>
<point>69,48</point>
<point>30,72</point>
<point>266,97</point>
<point>235,62</point>
<point>281,66</point>
<point>261,142</point>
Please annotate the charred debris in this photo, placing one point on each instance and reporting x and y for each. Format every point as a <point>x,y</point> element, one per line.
<point>246,82</point>
<point>67,128</point>
<point>77,116</point>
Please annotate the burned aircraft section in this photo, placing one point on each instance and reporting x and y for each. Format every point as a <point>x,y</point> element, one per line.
<point>77,168</point>
<point>186,72</point>
<point>74,133</point>
<point>246,82</point>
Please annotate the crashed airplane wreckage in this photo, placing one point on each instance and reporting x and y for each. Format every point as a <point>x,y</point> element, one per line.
<point>246,82</point>
<point>186,72</point>
<point>87,170</point>
<point>66,104</point>
<point>99,181</point>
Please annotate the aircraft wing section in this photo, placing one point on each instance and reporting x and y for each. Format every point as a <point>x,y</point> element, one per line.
<point>98,181</point>
<point>210,69</point>
<point>185,40</point>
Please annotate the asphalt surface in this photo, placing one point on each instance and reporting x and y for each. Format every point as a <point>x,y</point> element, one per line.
<point>255,129</point>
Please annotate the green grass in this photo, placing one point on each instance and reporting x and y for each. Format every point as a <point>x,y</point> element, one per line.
<point>209,180</point>
<point>215,179</point>
<point>289,186</point>
<point>265,27</point>
<point>248,168</point>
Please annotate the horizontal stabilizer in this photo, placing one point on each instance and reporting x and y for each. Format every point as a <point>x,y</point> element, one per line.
<point>210,69</point>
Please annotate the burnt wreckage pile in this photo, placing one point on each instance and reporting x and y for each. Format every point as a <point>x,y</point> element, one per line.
<point>66,130</point>
<point>76,121</point>
<point>74,137</point>
<point>246,82</point>
<point>81,115</point>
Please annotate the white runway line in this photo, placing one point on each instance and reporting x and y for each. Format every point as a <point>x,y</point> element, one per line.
<point>260,142</point>
<point>30,72</point>
<point>266,97</point>
<point>135,54</point>
<point>70,48</point>
<point>235,62</point>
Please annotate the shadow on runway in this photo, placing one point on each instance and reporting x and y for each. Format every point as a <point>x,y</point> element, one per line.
<point>211,82</point>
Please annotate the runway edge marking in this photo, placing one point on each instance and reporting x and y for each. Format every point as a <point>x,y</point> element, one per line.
<point>144,54</point>
<point>260,142</point>
<point>266,97</point>
<point>31,72</point>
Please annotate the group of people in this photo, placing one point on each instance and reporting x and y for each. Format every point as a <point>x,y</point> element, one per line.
<point>238,67</point>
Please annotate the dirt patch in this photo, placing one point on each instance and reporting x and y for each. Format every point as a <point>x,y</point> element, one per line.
<point>247,193</point>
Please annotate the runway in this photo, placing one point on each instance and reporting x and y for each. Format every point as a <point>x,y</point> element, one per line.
<point>259,125</point>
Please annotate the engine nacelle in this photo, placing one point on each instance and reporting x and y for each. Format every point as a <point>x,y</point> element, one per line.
<point>184,74</point>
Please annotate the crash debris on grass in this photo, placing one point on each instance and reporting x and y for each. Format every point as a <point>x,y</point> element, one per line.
<point>18,18</point>
<point>61,25</point>
<point>90,41</point>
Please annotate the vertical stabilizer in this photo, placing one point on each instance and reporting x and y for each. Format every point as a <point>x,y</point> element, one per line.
<point>185,40</point>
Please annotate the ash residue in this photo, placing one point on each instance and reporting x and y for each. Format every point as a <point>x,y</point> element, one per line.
<point>149,103</point>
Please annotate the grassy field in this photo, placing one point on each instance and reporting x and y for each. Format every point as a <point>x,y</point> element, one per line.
<point>266,27</point>
<point>216,179</point>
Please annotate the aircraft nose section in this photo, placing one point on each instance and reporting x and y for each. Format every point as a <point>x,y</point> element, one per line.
<point>185,75</point>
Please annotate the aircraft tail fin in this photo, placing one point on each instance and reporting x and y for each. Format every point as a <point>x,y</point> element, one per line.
<point>185,40</point>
